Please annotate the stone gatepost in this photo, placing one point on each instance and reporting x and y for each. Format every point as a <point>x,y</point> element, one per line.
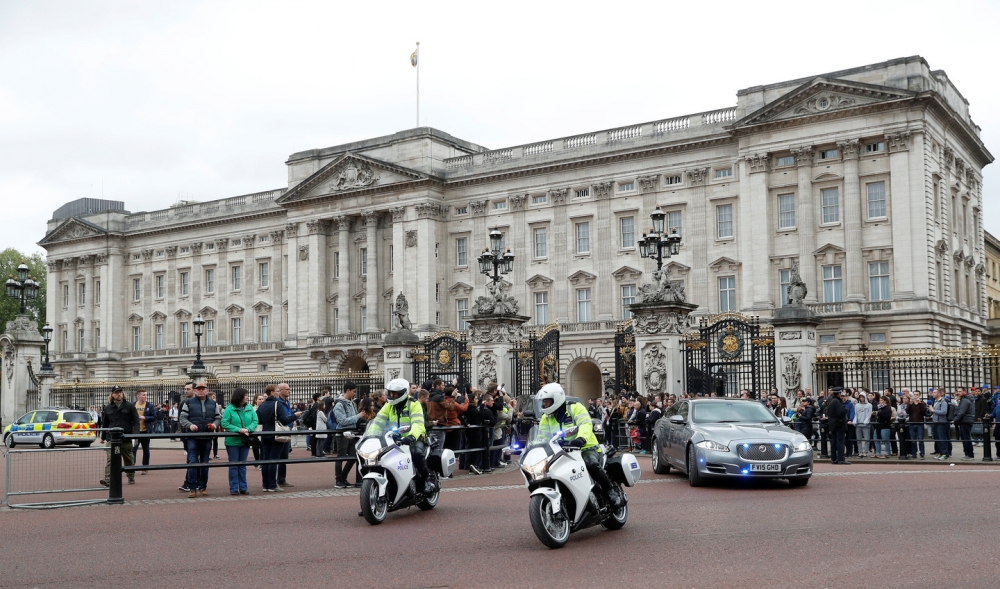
<point>795,345</point>
<point>492,337</point>
<point>659,361</point>
<point>794,339</point>
<point>20,345</point>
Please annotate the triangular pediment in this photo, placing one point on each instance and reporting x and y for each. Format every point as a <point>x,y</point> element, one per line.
<point>724,263</point>
<point>829,249</point>
<point>581,277</point>
<point>348,173</point>
<point>460,288</point>
<point>262,307</point>
<point>182,313</point>
<point>677,268</point>
<point>73,229</point>
<point>538,281</point>
<point>208,312</point>
<point>828,177</point>
<point>234,309</point>
<point>134,318</point>
<point>157,316</point>
<point>822,95</point>
<point>627,273</point>
<point>360,296</point>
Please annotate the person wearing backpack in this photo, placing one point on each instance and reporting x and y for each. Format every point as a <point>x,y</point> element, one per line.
<point>939,421</point>
<point>345,416</point>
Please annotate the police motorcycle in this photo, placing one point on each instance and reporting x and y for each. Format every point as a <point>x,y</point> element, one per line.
<point>564,497</point>
<point>388,473</point>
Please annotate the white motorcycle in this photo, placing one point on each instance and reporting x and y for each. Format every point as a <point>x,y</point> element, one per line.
<point>388,478</point>
<point>564,499</point>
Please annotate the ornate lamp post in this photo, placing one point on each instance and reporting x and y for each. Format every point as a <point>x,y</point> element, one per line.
<point>657,244</point>
<point>198,365</point>
<point>494,262</point>
<point>47,336</point>
<point>22,288</point>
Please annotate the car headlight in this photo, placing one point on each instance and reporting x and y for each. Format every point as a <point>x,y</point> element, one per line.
<point>801,444</point>
<point>712,445</point>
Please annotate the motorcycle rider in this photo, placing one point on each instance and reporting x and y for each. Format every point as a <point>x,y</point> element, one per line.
<point>558,415</point>
<point>401,410</point>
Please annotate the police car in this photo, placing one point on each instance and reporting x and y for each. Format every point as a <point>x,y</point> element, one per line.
<point>49,426</point>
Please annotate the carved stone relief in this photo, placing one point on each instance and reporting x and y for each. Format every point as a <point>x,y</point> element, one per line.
<point>558,195</point>
<point>654,369</point>
<point>304,252</point>
<point>791,335</point>
<point>495,333</point>
<point>660,322</point>
<point>411,238</point>
<point>602,189</point>
<point>355,174</point>
<point>791,374</point>
<point>487,369</point>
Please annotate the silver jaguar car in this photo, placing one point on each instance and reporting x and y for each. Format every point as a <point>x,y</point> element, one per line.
<point>709,438</point>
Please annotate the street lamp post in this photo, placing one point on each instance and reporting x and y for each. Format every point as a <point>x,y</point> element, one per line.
<point>657,244</point>
<point>47,336</point>
<point>23,287</point>
<point>198,365</point>
<point>494,261</point>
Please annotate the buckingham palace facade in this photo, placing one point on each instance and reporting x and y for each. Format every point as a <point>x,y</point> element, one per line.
<point>869,179</point>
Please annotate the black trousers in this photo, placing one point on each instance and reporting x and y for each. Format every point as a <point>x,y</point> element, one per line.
<point>592,458</point>
<point>839,439</point>
<point>144,444</point>
<point>345,447</point>
<point>417,450</point>
<point>286,448</point>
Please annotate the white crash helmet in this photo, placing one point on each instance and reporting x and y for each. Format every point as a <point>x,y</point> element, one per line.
<point>397,391</point>
<point>554,392</point>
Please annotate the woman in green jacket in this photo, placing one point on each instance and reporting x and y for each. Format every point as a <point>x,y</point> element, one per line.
<point>239,417</point>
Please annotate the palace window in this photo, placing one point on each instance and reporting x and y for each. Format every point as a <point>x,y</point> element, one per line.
<point>724,221</point>
<point>627,231</point>
<point>540,235</point>
<point>876,200</point>
<point>833,284</point>
<point>727,293</point>
<point>786,211</point>
<point>831,205</point>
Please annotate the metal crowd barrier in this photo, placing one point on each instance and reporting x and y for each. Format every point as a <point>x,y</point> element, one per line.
<point>51,472</point>
<point>117,437</point>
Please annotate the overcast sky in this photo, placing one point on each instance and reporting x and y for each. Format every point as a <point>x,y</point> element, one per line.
<point>151,102</point>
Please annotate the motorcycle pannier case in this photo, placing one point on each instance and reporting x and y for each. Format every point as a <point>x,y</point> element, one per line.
<point>624,468</point>
<point>443,461</point>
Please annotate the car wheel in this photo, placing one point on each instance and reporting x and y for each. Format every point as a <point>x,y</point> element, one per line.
<point>84,444</point>
<point>48,442</point>
<point>799,481</point>
<point>694,477</point>
<point>8,440</point>
<point>659,466</point>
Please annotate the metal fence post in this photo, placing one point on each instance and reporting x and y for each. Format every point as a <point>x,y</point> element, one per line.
<point>115,484</point>
<point>823,441</point>
<point>987,452</point>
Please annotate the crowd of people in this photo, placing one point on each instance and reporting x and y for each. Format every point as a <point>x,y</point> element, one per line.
<point>326,417</point>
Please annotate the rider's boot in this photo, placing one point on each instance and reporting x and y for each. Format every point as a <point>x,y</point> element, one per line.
<point>615,498</point>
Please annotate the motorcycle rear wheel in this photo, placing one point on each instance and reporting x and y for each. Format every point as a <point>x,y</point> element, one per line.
<point>617,519</point>
<point>551,531</point>
<point>431,502</point>
<point>373,508</point>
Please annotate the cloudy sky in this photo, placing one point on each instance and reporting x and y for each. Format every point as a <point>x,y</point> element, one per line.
<point>151,102</point>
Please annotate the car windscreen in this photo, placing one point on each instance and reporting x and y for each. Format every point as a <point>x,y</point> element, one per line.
<point>77,417</point>
<point>733,412</point>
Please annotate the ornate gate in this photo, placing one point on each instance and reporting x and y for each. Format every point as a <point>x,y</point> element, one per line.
<point>729,352</point>
<point>624,358</point>
<point>447,357</point>
<point>535,363</point>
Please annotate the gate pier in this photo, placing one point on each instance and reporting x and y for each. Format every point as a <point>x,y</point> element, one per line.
<point>658,329</point>
<point>795,348</point>
<point>492,338</point>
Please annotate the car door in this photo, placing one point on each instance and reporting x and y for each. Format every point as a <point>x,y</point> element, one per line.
<point>43,421</point>
<point>676,452</point>
<point>25,435</point>
<point>662,432</point>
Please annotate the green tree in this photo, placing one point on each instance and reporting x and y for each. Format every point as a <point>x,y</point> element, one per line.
<point>10,259</point>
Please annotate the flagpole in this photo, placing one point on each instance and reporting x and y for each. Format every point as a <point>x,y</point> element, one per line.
<point>418,84</point>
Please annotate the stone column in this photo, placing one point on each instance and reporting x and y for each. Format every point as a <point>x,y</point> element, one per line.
<point>277,289</point>
<point>795,344</point>
<point>292,329</point>
<point>398,354</point>
<point>344,281</point>
<point>316,323</point>
<point>948,217</point>
<point>754,228</point>
<point>562,302</point>
<point>373,286</point>
<point>20,345</point>
<point>492,337</point>
<point>659,327</point>
<point>87,264</point>
<point>852,220</point>
<point>805,222</point>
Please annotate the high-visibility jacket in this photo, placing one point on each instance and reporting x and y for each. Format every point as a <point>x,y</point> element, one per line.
<point>408,413</point>
<point>568,415</point>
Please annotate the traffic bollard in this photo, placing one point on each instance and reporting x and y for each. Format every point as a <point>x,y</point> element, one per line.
<point>115,484</point>
<point>987,451</point>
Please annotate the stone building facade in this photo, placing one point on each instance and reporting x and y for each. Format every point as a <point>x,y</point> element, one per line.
<point>870,179</point>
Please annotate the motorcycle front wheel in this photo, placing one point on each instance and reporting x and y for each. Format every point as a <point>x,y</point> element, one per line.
<point>373,507</point>
<point>552,530</point>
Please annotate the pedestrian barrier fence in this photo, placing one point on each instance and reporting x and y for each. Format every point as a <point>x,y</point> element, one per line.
<point>57,471</point>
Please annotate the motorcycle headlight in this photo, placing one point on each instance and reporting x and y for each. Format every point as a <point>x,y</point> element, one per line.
<point>712,445</point>
<point>538,469</point>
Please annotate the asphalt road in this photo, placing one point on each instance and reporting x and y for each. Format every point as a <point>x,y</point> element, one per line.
<point>918,525</point>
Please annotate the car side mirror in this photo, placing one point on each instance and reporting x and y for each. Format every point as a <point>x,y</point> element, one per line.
<point>678,419</point>
<point>786,420</point>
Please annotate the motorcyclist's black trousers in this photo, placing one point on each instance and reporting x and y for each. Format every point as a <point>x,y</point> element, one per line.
<point>417,450</point>
<point>592,458</point>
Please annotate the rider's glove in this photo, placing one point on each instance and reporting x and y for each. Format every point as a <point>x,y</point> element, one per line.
<point>396,437</point>
<point>407,440</point>
<point>575,443</point>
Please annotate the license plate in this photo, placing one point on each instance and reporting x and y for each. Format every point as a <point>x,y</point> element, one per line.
<point>765,468</point>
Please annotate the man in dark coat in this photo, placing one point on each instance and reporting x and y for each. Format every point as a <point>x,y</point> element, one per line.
<point>119,413</point>
<point>836,416</point>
